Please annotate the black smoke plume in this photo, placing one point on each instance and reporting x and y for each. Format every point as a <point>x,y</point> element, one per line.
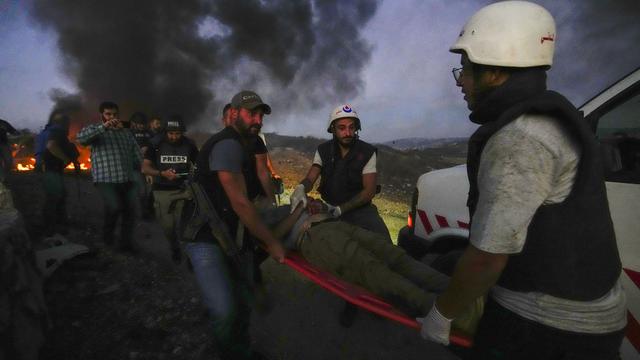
<point>603,33</point>
<point>190,56</point>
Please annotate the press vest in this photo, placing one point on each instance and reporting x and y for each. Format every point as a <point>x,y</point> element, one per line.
<point>341,178</point>
<point>142,137</point>
<point>570,250</point>
<point>210,182</point>
<point>172,156</point>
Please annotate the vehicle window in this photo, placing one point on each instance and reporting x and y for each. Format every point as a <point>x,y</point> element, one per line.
<point>619,133</point>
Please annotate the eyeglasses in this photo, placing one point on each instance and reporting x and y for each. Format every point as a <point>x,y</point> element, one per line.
<point>457,74</point>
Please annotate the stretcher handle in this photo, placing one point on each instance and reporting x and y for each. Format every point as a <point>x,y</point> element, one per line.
<point>374,300</point>
<point>365,301</point>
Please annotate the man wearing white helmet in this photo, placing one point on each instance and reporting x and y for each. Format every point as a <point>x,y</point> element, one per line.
<point>346,166</point>
<point>542,244</point>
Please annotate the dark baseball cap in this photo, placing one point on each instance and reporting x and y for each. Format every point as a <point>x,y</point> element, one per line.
<point>249,100</point>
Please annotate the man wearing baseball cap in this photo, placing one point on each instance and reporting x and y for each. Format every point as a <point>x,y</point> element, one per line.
<point>226,170</point>
<point>346,166</point>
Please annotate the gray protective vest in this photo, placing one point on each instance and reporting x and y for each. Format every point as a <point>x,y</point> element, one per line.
<point>570,250</point>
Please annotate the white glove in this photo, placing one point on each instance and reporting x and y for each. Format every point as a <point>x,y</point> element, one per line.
<point>334,211</point>
<point>435,326</point>
<point>298,196</point>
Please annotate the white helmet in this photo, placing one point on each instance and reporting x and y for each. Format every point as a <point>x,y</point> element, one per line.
<point>509,33</point>
<point>341,112</point>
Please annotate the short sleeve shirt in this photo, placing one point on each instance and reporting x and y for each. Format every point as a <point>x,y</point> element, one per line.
<point>528,163</point>
<point>369,167</point>
<point>227,155</point>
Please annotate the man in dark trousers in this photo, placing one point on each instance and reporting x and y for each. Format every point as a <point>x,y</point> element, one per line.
<point>6,160</point>
<point>542,243</point>
<point>156,128</point>
<point>347,169</point>
<point>139,130</point>
<point>169,162</point>
<point>226,170</point>
<point>115,163</point>
<point>58,153</point>
<point>142,135</point>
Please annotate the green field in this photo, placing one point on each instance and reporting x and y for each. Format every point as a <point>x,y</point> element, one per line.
<point>394,214</point>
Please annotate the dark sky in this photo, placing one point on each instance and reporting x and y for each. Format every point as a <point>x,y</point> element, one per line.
<point>388,59</point>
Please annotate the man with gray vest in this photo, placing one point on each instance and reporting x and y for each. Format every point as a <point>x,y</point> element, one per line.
<point>347,169</point>
<point>542,244</point>
<point>169,162</point>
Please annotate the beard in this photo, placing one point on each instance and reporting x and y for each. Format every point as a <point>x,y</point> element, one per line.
<point>246,130</point>
<point>242,128</point>
<point>255,129</point>
<point>346,141</point>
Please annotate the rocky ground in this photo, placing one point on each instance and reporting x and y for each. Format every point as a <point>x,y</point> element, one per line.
<point>109,305</point>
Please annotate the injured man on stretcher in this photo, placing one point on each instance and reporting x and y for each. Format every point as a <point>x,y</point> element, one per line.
<point>363,258</point>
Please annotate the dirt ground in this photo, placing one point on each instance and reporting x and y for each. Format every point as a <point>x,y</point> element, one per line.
<point>107,305</point>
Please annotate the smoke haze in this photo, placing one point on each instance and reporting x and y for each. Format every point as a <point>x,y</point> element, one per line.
<point>389,59</point>
<point>189,57</point>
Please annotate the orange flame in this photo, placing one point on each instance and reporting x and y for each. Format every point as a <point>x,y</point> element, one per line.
<point>15,149</point>
<point>84,158</point>
<point>26,164</point>
<point>83,166</point>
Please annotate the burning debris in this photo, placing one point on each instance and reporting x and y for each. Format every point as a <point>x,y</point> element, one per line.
<point>24,157</point>
<point>27,165</point>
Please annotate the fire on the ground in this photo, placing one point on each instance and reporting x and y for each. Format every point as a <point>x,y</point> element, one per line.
<point>24,159</point>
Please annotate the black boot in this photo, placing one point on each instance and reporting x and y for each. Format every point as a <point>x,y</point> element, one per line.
<point>348,315</point>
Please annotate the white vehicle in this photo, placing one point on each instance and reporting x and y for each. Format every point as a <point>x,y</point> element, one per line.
<point>438,224</point>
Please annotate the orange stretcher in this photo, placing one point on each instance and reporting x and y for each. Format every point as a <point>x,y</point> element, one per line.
<point>361,297</point>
